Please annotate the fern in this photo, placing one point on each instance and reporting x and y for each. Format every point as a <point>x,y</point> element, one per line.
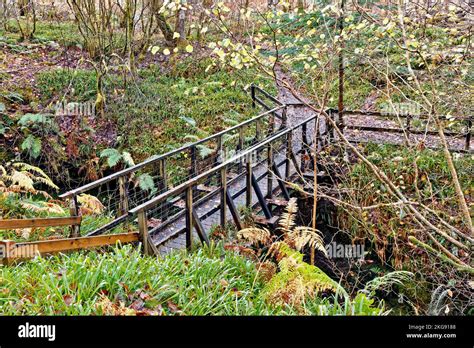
<point>287,220</point>
<point>22,180</point>
<point>127,159</point>
<point>43,207</point>
<point>113,157</point>
<point>90,205</point>
<point>387,281</point>
<point>35,119</point>
<point>297,281</point>
<point>254,235</point>
<point>204,151</point>
<point>303,236</point>
<point>43,178</point>
<point>145,182</point>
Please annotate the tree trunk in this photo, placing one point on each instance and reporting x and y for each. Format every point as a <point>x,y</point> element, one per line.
<point>180,27</point>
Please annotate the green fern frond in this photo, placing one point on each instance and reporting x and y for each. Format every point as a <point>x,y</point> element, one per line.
<point>388,281</point>
<point>28,167</point>
<point>297,280</point>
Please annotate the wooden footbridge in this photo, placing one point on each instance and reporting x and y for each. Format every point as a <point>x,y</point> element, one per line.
<point>205,185</point>
<point>249,166</point>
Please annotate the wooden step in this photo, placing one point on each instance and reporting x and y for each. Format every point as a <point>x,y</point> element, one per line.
<point>322,177</point>
<point>277,202</point>
<point>178,202</point>
<point>205,188</point>
<point>261,220</point>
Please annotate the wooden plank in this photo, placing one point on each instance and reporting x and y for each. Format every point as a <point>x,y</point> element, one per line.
<point>68,244</point>
<point>277,202</point>
<point>37,223</point>
<point>261,220</point>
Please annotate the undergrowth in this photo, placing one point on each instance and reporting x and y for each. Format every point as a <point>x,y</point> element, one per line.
<point>207,281</point>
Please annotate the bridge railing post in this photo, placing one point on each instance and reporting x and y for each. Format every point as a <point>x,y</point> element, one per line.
<point>143,231</point>
<point>284,117</point>
<point>74,211</point>
<point>252,93</point>
<point>468,134</point>
<point>163,174</point>
<point>241,146</point>
<point>289,141</point>
<point>304,147</point>
<point>257,131</point>
<point>223,176</point>
<point>193,169</point>
<point>248,197</point>
<point>189,217</point>
<point>123,196</point>
<point>269,171</point>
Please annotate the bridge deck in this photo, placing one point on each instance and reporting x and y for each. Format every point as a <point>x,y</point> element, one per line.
<point>209,211</point>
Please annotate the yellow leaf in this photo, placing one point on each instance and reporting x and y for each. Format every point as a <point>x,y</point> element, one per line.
<point>155,49</point>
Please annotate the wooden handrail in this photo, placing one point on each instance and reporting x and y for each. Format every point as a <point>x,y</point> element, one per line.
<point>40,222</point>
<point>194,181</point>
<point>161,157</point>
